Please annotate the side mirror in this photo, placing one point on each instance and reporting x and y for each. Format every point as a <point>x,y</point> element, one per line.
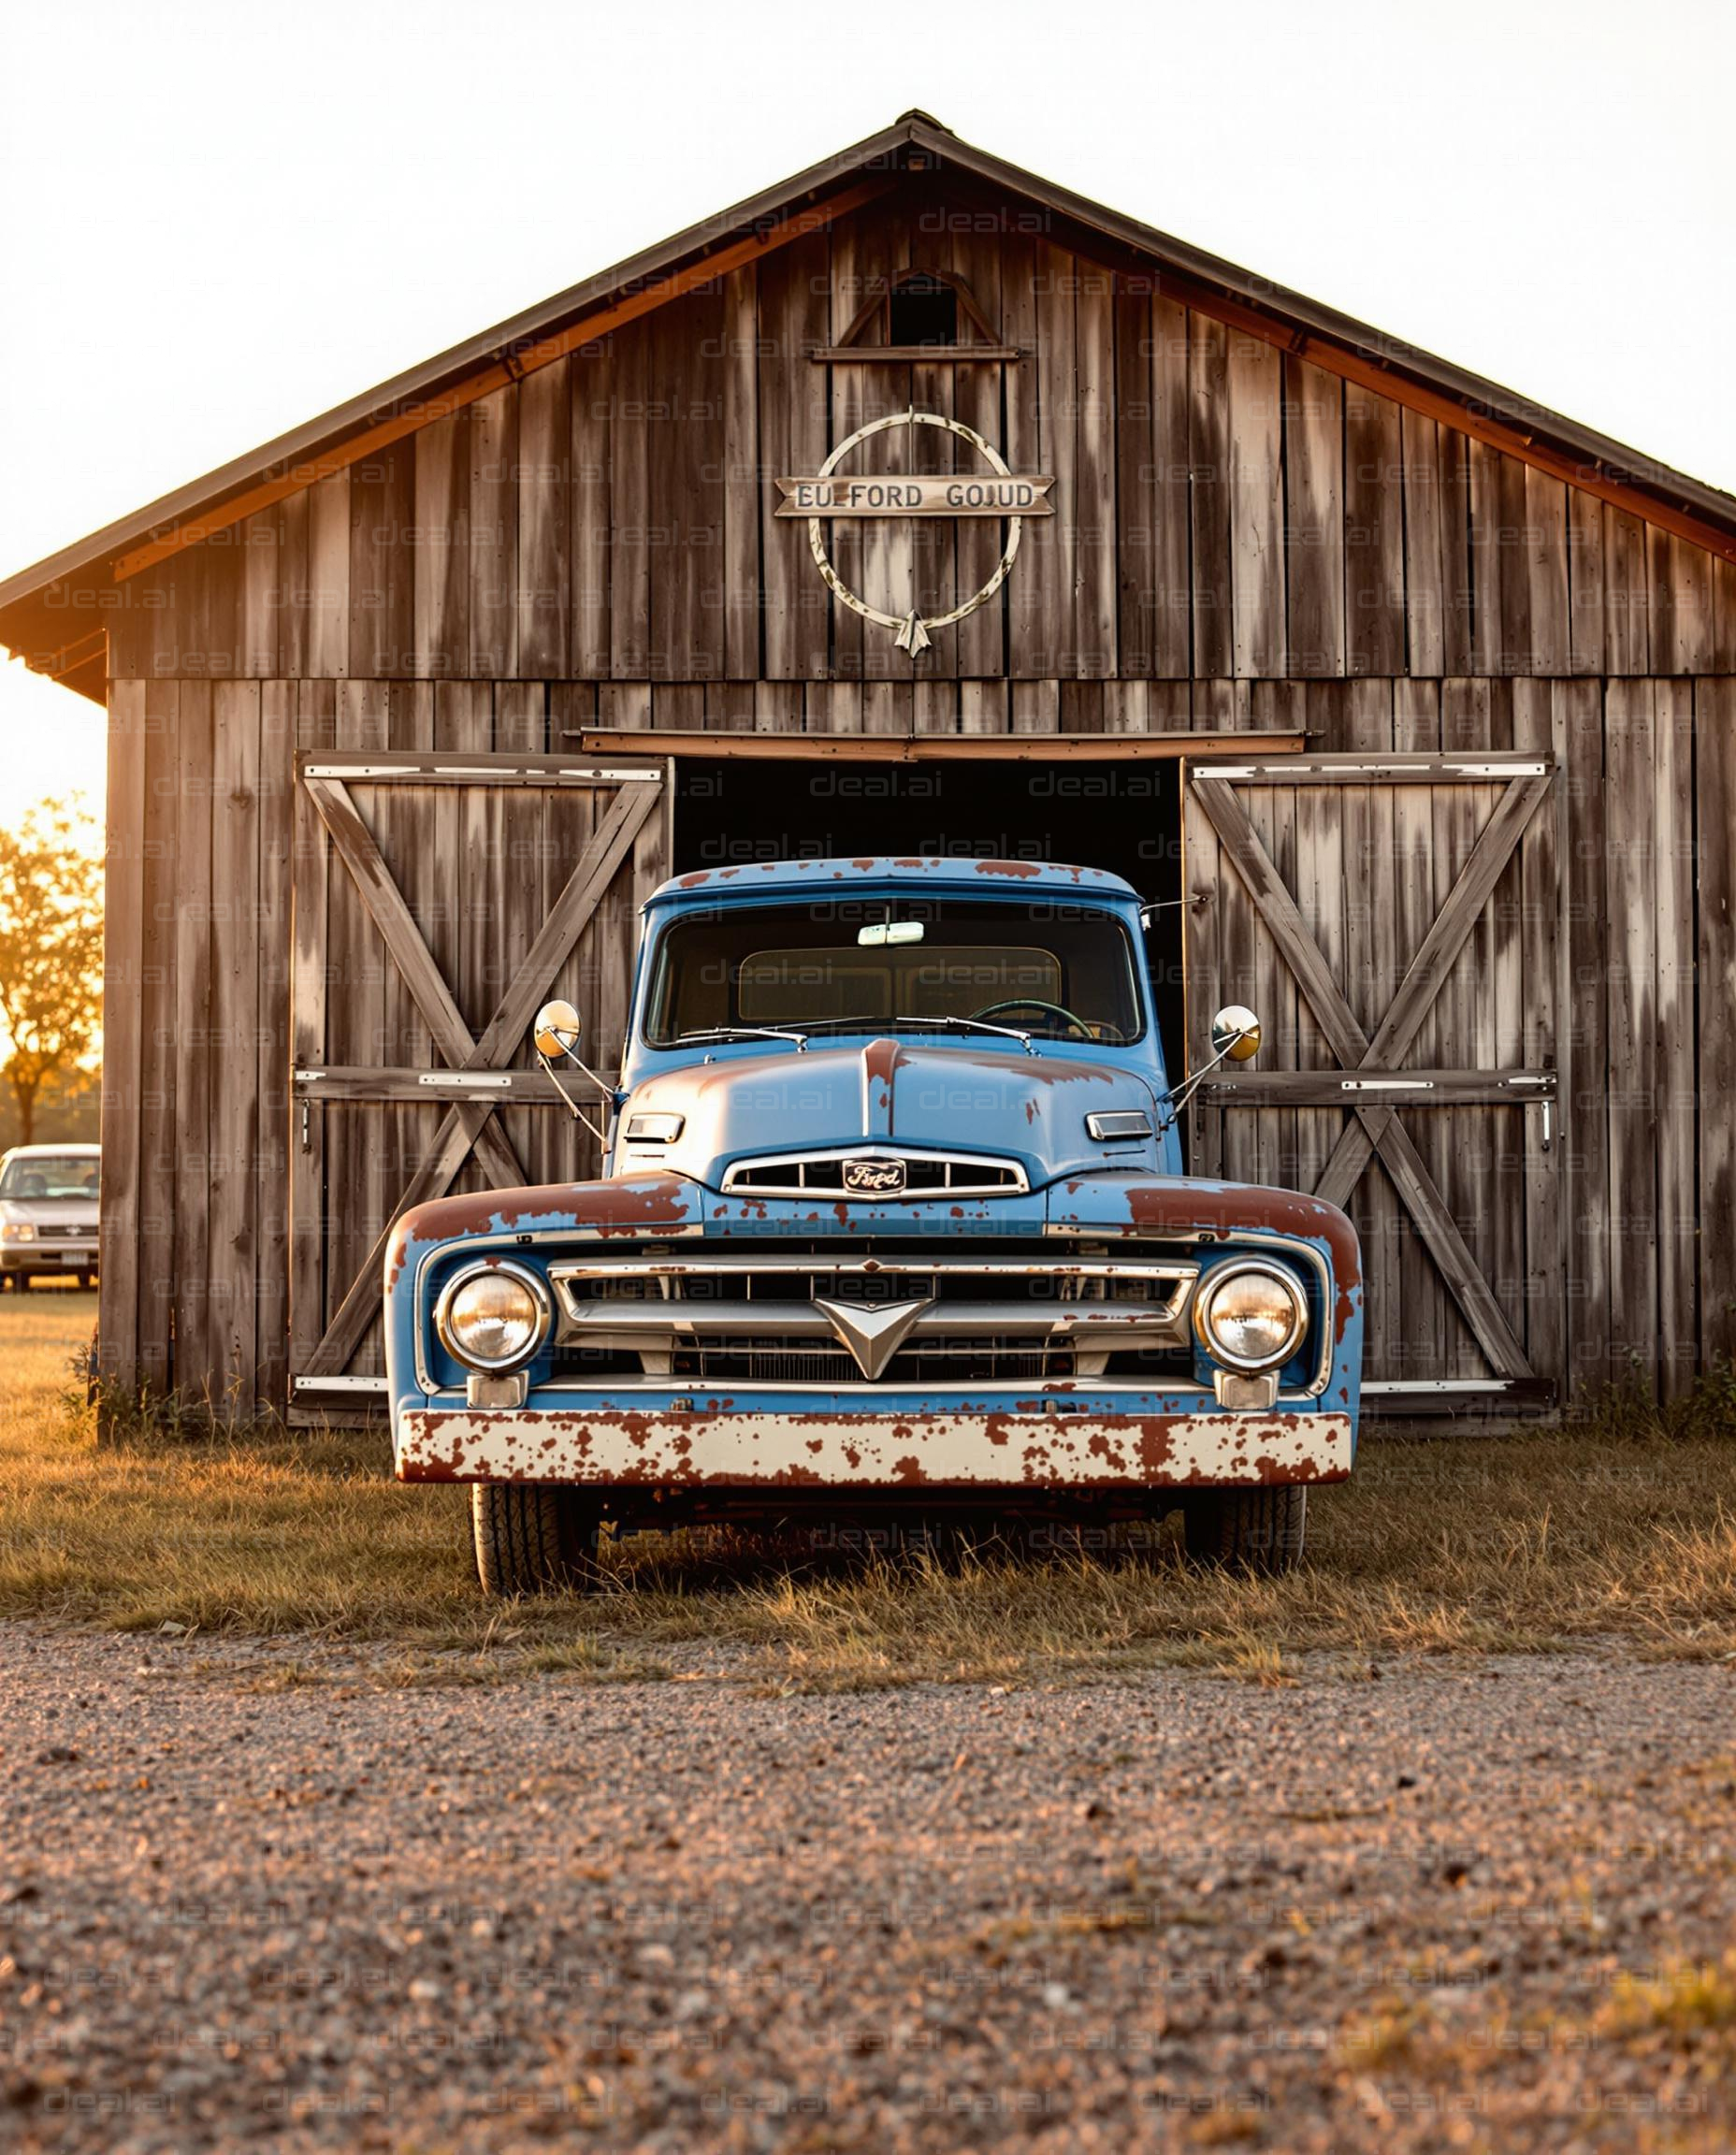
<point>558,1030</point>
<point>1234,1038</point>
<point>1234,1034</point>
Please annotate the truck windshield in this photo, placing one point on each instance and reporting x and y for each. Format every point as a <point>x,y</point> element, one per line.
<point>49,1175</point>
<point>1056,971</point>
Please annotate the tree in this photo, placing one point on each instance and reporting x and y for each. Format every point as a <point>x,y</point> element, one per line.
<point>50,948</point>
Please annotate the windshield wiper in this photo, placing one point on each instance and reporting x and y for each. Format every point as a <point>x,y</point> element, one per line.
<point>740,1032</point>
<point>972,1025</point>
<point>924,1024</point>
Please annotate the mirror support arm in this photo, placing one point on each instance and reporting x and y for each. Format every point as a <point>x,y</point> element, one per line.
<point>577,1112</point>
<point>1179,1096</point>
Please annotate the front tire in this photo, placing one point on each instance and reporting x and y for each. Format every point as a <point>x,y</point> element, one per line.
<point>1264,1528</point>
<point>531,1538</point>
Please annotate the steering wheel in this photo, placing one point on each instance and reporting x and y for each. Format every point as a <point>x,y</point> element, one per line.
<point>1077,1027</point>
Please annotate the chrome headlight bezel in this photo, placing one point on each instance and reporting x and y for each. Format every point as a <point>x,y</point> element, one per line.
<point>534,1285</point>
<point>1240,1268</point>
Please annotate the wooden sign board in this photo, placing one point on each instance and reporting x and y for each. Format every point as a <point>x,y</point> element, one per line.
<point>913,494</point>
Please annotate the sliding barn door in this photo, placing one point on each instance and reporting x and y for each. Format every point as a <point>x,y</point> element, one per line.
<point>439,901</point>
<point>1396,922</point>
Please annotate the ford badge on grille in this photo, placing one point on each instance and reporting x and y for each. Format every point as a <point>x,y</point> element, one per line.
<point>886,1178</point>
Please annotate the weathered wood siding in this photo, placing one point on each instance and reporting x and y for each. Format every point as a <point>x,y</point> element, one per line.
<point>196,1068</point>
<point>1224,511</point>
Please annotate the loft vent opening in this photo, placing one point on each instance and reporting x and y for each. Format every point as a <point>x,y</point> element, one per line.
<point>922,310</point>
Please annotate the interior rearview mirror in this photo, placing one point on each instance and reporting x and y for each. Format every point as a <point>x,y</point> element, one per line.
<point>558,1030</point>
<point>1236,1034</point>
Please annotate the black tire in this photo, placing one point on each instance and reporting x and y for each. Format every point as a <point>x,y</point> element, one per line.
<point>531,1538</point>
<point>23,1280</point>
<point>87,1281</point>
<point>1264,1528</point>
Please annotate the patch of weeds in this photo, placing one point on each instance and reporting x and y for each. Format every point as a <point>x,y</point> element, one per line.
<point>1688,2002</point>
<point>284,1676</point>
<point>1387,2035</point>
<point>1257,1660</point>
<point>1628,1412</point>
<point>581,1659</point>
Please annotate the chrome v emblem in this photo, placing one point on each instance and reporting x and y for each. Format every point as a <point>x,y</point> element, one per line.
<point>872,1332</point>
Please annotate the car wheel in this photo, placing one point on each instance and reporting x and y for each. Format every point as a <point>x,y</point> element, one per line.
<point>24,1281</point>
<point>531,1538</point>
<point>1264,1528</point>
<point>85,1280</point>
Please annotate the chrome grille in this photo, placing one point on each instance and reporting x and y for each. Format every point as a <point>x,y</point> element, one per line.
<point>970,1319</point>
<point>923,1175</point>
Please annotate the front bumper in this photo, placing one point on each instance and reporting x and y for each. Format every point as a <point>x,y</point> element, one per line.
<point>48,1256</point>
<point>940,1447</point>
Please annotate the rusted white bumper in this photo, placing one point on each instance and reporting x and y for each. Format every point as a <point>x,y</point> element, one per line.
<point>870,1451</point>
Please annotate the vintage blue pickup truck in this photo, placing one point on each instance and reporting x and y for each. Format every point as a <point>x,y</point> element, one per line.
<point>891,1225</point>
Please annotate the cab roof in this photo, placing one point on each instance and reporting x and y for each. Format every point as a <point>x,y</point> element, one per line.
<point>833,878</point>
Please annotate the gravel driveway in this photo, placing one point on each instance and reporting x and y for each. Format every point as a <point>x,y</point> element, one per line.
<point>1388,1910</point>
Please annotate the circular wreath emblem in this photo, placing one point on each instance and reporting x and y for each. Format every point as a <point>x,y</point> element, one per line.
<point>912,631</point>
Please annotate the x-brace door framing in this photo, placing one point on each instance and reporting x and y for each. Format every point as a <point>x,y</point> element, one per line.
<point>1372,1128</point>
<point>469,1124</point>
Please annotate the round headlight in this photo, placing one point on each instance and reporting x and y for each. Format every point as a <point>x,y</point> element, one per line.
<point>1251,1316</point>
<point>494,1317</point>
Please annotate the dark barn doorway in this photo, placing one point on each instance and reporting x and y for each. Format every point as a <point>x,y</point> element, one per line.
<point>1124,818</point>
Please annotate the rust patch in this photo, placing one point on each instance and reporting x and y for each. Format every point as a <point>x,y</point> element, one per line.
<point>1181,1206</point>
<point>879,1061</point>
<point>1156,1449</point>
<point>629,1205</point>
<point>397,1249</point>
<point>766,1447</point>
<point>1041,1071</point>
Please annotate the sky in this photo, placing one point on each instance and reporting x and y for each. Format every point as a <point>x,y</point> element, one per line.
<point>221,219</point>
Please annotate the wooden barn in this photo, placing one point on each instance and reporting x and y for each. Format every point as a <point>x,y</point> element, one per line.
<point>1415,704</point>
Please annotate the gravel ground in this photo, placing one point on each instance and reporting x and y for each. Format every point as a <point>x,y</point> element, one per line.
<point>1387,1909</point>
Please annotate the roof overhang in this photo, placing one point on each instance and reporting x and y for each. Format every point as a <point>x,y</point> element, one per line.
<point>52,613</point>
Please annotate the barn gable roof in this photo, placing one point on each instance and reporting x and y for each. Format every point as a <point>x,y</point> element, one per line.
<point>47,612</point>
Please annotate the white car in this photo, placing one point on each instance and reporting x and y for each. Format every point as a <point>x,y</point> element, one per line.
<point>48,1212</point>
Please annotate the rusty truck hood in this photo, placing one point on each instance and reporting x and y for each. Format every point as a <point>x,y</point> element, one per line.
<point>888,1096</point>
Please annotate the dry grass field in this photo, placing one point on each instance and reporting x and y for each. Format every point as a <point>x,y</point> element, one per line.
<point>1620,1529</point>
